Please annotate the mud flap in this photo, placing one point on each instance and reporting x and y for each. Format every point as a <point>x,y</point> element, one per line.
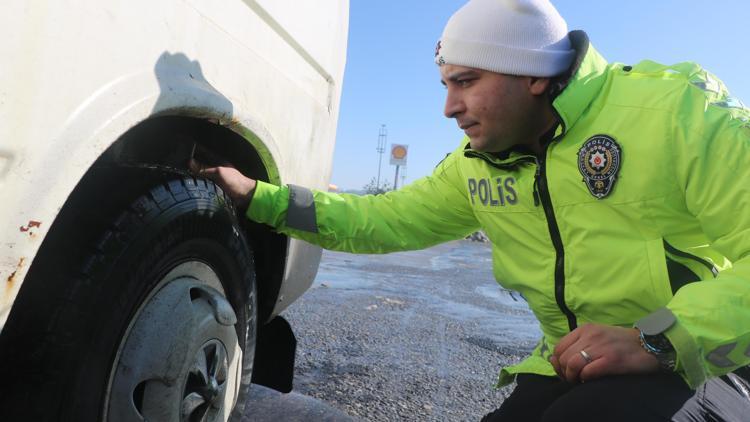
<point>274,355</point>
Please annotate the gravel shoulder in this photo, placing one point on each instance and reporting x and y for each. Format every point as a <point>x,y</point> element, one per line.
<point>409,336</point>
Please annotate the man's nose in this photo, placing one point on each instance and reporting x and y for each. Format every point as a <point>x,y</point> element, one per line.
<point>453,105</point>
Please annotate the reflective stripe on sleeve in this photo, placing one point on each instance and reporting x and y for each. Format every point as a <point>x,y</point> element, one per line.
<point>301,212</point>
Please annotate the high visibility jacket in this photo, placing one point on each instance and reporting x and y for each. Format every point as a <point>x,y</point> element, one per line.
<point>639,209</point>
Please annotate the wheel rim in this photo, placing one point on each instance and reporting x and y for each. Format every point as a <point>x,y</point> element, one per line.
<point>180,358</point>
<point>206,382</point>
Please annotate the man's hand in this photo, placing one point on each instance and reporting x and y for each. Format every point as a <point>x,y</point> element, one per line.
<point>612,350</point>
<point>234,183</point>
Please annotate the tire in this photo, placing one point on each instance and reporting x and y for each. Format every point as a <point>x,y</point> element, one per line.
<point>160,322</point>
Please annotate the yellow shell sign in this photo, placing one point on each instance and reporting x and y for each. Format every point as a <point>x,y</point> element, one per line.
<point>398,154</point>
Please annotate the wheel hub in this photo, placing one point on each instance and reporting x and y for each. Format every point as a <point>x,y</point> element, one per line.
<point>207,380</point>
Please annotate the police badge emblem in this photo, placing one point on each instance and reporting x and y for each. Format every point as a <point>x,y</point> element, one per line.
<point>599,161</point>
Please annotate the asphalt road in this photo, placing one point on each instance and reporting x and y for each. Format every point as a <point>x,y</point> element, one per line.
<point>409,336</point>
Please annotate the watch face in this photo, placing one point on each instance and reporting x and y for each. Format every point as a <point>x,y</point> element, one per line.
<point>660,346</point>
<point>659,342</point>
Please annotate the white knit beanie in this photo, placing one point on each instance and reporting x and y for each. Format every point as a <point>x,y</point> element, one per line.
<point>515,37</point>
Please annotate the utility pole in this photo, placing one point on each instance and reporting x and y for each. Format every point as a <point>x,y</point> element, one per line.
<point>382,138</point>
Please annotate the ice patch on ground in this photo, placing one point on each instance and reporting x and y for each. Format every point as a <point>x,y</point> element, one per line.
<point>503,296</point>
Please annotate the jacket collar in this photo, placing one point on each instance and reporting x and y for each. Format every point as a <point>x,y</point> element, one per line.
<point>573,92</point>
<point>589,73</point>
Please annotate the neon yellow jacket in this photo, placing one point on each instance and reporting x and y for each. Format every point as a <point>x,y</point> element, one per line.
<point>674,211</point>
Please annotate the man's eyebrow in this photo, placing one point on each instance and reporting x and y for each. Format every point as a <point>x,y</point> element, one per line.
<point>459,75</point>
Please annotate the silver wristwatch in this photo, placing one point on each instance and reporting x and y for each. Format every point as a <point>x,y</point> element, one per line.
<point>653,340</point>
<point>660,346</point>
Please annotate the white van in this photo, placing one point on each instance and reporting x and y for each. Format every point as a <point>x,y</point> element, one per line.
<point>132,290</point>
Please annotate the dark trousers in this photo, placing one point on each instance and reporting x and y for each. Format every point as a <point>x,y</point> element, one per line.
<point>641,398</point>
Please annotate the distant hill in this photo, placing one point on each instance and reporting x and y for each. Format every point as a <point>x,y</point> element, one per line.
<point>354,191</point>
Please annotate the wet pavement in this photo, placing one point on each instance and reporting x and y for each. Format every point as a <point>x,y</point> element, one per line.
<point>266,405</point>
<point>407,336</point>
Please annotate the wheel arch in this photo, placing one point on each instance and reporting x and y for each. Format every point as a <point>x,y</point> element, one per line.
<point>165,142</point>
<point>169,140</point>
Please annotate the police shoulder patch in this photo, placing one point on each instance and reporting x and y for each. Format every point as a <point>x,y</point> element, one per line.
<point>599,161</point>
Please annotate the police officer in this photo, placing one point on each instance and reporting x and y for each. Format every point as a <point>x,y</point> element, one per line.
<point>616,201</point>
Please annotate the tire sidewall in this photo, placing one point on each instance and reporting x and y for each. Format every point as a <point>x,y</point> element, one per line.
<point>133,259</point>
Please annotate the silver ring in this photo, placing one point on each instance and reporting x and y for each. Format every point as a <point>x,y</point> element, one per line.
<point>586,356</point>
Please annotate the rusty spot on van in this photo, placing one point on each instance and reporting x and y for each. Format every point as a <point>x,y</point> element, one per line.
<point>31,225</point>
<point>12,276</point>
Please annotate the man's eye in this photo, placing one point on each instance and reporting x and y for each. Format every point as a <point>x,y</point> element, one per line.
<point>463,82</point>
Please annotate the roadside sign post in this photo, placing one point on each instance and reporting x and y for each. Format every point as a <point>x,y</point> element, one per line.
<point>398,158</point>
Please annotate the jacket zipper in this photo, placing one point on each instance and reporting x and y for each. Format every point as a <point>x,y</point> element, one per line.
<point>542,193</point>
<point>674,251</point>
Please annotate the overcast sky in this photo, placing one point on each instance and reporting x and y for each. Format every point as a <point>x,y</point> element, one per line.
<point>390,77</point>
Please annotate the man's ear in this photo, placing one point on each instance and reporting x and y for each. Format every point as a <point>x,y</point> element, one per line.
<point>538,86</point>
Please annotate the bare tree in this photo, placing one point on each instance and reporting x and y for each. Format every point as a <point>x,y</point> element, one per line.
<point>372,188</point>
